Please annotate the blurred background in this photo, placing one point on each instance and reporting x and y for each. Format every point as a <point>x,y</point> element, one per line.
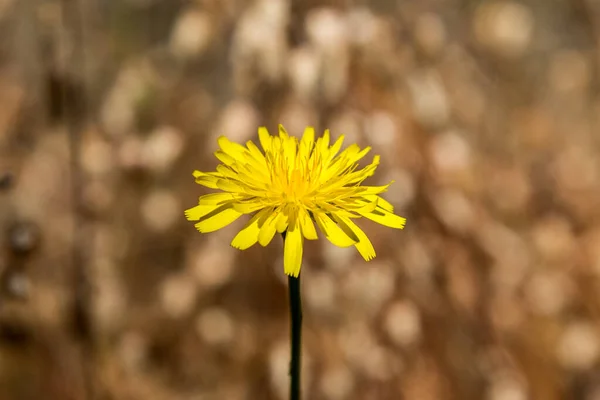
<point>486,114</point>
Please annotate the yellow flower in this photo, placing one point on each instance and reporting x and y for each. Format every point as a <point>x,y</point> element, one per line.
<point>288,187</point>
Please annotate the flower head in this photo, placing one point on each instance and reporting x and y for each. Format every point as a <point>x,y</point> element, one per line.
<point>288,187</point>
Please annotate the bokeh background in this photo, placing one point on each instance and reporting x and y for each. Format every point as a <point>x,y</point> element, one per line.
<point>486,114</point>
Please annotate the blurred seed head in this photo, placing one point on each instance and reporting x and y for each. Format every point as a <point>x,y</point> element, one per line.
<point>569,72</point>
<point>402,323</point>
<point>192,34</point>
<point>355,339</point>
<point>238,121</point>
<point>178,295</point>
<point>98,195</point>
<point>553,239</point>
<point>349,123</point>
<point>455,210</point>
<point>337,383</point>
<point>430,33</point>
<point>338,259</point>
<point>369,286</point>
<point>579,346</point>
<point>382,131</point>
<point>162,148</point>
<point>504,27</point>
<point>320,291</point>
<point>133,350</point>
<point>429,99</point>
<point>380,364</point>
<point>17,284</point>
<point>160,210</point>
<point>215,326</point>
<point>507,387</point>
<point>549,292</point>
<point>361,26</point>
<point>24,237</point>
<point>296,116</point>
<point>97,157</point>
<point>212,263</point>
<point>304,70</point>
<point>326,29</point>
<point>450,152</point>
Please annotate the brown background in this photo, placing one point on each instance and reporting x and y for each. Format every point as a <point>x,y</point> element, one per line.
<point>486,114</point>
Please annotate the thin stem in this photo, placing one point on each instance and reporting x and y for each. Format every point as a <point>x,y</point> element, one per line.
<point>296,333</point>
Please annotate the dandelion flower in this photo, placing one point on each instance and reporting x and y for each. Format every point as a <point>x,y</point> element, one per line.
<point>287,188</point>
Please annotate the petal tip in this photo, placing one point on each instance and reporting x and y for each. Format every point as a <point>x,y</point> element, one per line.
<point>236,246</point>
<point>192,214</point>
<point>293,274</point>
<point>370,257</point>
<point>222,139</point>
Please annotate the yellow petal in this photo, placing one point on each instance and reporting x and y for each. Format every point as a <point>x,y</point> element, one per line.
<point>367,208</point>
<point>364,245</point>
<point>248,236</point>
<point>308,228</point>
<point>227,172</point>
<point>354,158</point>
<point>251,178</point>
<point>345,155</point>
<point>336,147</point>
<point>325,141</point>
<point>264,138</point>
<point>282,221</point>
<point>234,150</point>
<point>357,177</point>
<point>208,181</point>
<point>217,219</point>
<point>373,190</point>
<point>307,142</point>
<point>247,207</point>
<point>292,253</point>
<point>290,149</point>
<point>386,205</point>
<point>275,145</point>
<point>340,163</point>
<point>257,155</point>
<point>345,228</point>
<point>204,179</point>
<point>195,213</point>
<point>267,230</point>
<point>282,132</point>
<point>225,158</point>
<point>333,232</point>
<point>386,218</point>
<point>215,198</point>
<point>229,185</point>
<point>255,174</point>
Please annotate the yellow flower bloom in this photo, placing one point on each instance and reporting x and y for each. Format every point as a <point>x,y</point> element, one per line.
<point>288,187</point>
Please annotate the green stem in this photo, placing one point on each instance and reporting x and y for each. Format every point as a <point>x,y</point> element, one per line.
<point>296,331</point>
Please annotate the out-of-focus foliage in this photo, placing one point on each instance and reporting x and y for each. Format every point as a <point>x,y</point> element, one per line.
<point>486,114</point>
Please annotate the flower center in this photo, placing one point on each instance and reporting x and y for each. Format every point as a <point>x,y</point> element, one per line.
<point>295,187</point>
